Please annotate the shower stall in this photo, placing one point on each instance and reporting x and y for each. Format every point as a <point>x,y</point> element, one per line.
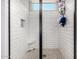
<point>41,29</point>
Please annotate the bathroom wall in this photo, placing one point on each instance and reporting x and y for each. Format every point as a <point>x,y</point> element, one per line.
<point>50,28</point>
<point>4,29</point>
<point>34,28</point>
<point>19,34</point>
<point>66,41</point>
<point>50,25</point>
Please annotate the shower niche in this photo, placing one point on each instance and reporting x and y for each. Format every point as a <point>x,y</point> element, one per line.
<point>36,32</point>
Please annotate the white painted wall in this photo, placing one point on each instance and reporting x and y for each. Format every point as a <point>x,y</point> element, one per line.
<point>66,42</point>
<point>4,29</point>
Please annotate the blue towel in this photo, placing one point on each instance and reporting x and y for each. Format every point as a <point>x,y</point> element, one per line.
<point>63,21</point>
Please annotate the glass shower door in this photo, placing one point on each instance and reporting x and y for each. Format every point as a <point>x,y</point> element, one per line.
<point>57,40</point>
<point>35,30</point>
<point>50,29</point>
<point>24,29</point>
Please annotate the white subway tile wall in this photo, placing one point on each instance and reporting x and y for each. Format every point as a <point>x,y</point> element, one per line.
<point>50,28</point>
<point>19,35</point>
<point>66,42</point>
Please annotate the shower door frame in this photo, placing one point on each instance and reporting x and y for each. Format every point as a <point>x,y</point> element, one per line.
<point>40,30</point>
<point>75,29</point>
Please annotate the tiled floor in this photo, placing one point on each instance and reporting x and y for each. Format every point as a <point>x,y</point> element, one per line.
<point>47,54</point>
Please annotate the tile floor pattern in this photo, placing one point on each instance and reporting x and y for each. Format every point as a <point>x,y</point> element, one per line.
<point>47,54</point>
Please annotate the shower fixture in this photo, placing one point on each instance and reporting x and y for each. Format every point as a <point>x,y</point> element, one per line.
<point>22,22</point>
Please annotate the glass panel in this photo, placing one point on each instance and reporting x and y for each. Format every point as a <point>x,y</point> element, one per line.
<point>49,6</point>
<point>57,42</point>
<point>35,6</point>
<point>24,31</point>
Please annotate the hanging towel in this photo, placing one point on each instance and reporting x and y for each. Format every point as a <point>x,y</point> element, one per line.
<point>63,21</point>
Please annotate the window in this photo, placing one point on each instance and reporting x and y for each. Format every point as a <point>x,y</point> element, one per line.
<point>49,6</point>
<point>35,6</point>
<point>46,6</point>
